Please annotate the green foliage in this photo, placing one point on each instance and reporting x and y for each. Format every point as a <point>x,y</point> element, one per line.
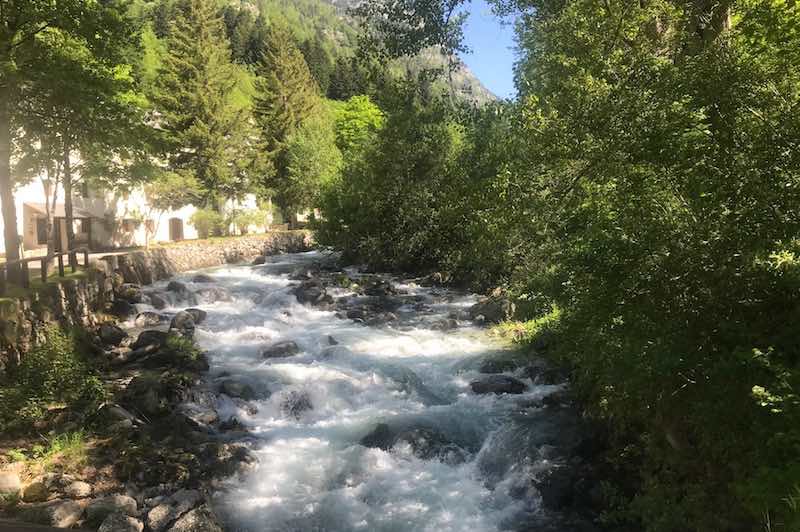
<point>357,122</point>
<point>313,161</point>
<point>54,372</point>
<point>243,219</point>
<point>207,222</point>
<point>203,106</point>
<point>287,96</point>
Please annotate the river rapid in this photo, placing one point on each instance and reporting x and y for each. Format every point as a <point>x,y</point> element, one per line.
<point>373,427</point>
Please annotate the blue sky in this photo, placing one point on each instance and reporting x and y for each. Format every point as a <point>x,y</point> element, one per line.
<point>492,57</point>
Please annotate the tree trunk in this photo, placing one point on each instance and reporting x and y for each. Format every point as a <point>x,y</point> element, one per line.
<point>68,218</point>
<point>10,233</point>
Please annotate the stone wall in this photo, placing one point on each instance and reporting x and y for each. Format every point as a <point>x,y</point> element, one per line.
<point>83,301</point>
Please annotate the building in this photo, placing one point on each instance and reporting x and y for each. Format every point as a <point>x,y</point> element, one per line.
<point>106,220</point>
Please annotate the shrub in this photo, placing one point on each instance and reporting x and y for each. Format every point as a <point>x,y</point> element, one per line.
<point>55,372</point>
<point>207,222</point>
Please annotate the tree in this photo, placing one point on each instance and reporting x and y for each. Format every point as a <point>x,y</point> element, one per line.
<point>287,96</point>
<point>319,62</point>
<point>312,161</point>
<point>203,108</point>
<point>84,105</point>
<point>25,28</point>
<point>357,122</point>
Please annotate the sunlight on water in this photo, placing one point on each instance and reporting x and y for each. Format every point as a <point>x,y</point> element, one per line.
<point>313,474</point>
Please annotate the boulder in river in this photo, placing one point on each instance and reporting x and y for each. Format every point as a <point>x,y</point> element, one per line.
<point>497,384</point>
<point>183,324</point>
<point>150,338</point>
<point>281,349</point>
<point>130,292</point>
<point>202,278</point>
<point>111,334</point>
<point>494,309</point>
<point>198,315</point>
<point>295,403</point>
<point>261,259</point>
<point>122,309</point>
<point>426,443</point>
<point>311,292</point>
<point>147,319</point>
<point>201,519</point>
<point>234,388</point>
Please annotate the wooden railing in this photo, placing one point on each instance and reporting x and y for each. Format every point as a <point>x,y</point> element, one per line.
<point>44,261</point>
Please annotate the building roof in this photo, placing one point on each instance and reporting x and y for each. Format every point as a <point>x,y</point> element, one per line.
<point>41,208</point>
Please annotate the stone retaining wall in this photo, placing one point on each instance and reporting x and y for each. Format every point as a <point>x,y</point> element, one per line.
<point>83,301</point>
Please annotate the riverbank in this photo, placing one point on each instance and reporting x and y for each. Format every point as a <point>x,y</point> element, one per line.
<point>104,438</point>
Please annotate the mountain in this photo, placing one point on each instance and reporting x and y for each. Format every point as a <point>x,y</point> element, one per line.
<point>329,19</point>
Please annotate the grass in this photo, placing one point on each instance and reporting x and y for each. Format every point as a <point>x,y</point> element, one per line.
<point>67,451</point>
<point>525,332</point>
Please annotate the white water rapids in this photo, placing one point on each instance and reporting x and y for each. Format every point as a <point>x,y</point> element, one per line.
<point>313,473</point>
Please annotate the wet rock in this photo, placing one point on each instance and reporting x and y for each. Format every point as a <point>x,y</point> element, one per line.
<point>542,373</point>
<point>356,314</point>
<point>498,384</point>
<point>78,490</point>
<point>102,507</point>
<point>154,395</point>
<point>119,522</point>
<point>122,309</point>
<point>233,388</point>
<point>259,260</point>
<point>310,292</point>
<point>427,443</point>
<point>221,460</point>
<point>158,302</point>
<point>185,500</point>
<point>202,278</point>
<point>280,350</point>
<point>183,324</point>
<point>202,415</point>
<point>147,319</point>
<point>35,492</point>
<point>494,309</point>
<point>159,517</point>
<point>295,403</point>
<point>177,287</point>
<point>301,274</point>
<point>198,315</point>
<point>213,294</point>
<point>332,340</point>
<point>57,513</point>
<point>381,319</point>
<point>381,437</point>
<point>232,425</point>
<point>150,338</point>
<point>200,519</point>
<point>132,293</point>
<point>380,289</point>
<point>110,334</point>
<point>9,483</point>
<point>445,325</point>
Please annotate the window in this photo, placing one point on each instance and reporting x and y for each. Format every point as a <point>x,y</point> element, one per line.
<point>84,225</point>
<point>41,231</point>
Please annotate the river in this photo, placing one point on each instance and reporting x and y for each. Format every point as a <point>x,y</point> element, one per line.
<point>446,459</point>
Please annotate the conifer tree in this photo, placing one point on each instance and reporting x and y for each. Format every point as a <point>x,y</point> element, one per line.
<point>206,124</point>
<point>319,62</point>
<point>287,95</point>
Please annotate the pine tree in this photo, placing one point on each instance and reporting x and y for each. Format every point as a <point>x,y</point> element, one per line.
<point>287,95</point>
<point>195,96</point>
<point>319,62</point>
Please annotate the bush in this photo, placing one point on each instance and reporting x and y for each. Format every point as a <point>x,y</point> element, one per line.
<point>55,372</point>
<point>207,222</point>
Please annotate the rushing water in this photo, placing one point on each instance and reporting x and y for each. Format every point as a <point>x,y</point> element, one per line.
<point>313,473</point>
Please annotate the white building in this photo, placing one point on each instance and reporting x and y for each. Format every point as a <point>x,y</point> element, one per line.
<point>106,220</point>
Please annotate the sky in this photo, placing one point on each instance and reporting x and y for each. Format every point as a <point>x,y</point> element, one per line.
<point>492,42</point>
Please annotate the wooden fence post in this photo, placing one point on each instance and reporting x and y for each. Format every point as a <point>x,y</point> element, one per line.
<point>44,270</point>
<point>60,265</point>
<point>73,261</point>
<point>26,279</point>
<point>2,279</point>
